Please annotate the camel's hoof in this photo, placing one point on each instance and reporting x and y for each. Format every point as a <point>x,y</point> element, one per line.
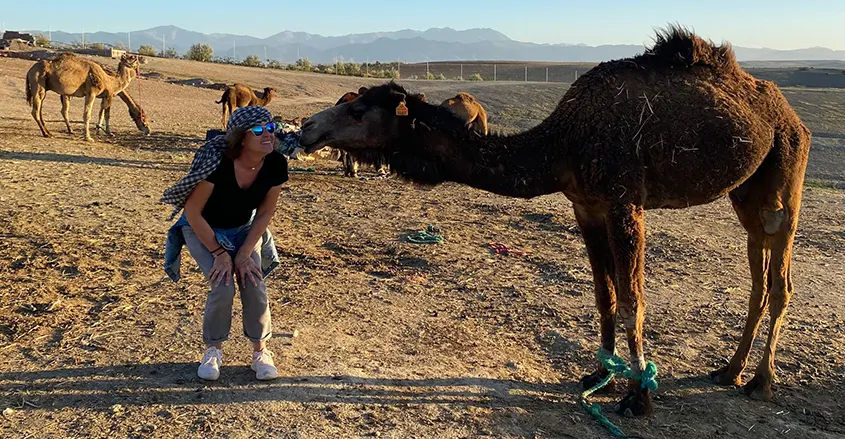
<point>89,139</point>
<point>761,383</point>
<point>723,377</point>
<point>588,381</point>
<point>636,403</point>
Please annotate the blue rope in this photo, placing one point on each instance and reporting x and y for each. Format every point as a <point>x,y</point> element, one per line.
<point>615,365</point>
<point>431,235</point>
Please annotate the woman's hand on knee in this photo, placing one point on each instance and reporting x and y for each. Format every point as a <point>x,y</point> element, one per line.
<point>246,269</point>
<point>221,271</point>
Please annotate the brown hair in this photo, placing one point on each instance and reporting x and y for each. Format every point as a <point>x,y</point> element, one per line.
<point>235,142</point>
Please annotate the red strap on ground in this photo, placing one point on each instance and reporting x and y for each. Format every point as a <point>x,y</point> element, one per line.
<point>502,249</point>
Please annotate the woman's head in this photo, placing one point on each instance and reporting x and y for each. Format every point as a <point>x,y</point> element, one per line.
<point>250,129</point>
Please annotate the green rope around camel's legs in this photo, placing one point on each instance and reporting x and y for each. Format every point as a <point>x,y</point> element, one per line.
<point>615,365</point>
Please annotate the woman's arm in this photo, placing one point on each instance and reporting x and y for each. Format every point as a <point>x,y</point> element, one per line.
<point>193,212</point>
<point>262,218</point>
<point>221,271</point>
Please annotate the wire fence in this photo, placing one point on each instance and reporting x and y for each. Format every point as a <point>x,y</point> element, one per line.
<point>473,71</point>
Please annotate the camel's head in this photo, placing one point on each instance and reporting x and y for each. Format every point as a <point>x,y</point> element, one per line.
<point>374,120</point>
<point>269,91</point>
<point>142,122</point>
<point>129,61</point>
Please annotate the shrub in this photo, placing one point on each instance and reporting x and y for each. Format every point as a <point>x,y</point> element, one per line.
<point>200,52</point>
<point>252,61</point>
<point>475,77</point>
<point>147,50</point>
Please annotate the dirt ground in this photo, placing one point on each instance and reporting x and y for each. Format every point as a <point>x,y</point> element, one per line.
<point>392,339</point>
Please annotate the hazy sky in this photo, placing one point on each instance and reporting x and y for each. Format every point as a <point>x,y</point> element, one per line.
<point>750,23</point>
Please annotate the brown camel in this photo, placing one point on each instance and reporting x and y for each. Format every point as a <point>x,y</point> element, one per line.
<point>135,112</point>
<point>469,109</point>
<point>71,75</point>
<point>677,126</point>
<point>239,95</point>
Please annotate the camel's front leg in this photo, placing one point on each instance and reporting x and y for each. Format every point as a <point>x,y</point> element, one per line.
<point>594,230</point>
<point>626,229</point>
<point>65,108</point>
<point>86,114</point>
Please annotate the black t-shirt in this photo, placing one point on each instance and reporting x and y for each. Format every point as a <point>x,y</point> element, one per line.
<point>230,206</point>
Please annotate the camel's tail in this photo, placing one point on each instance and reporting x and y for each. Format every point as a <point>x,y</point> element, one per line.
<point>223,98</point>
<point>28,91</point>
<point>678,46</point>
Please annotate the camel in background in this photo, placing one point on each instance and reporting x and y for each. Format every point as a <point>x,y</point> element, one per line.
<point>73,76</point>
<point>239,95</point>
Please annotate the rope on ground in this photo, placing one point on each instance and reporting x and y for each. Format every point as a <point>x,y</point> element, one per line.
<point>431,235</point>
<point>615,365</point>
<point>295,169</point>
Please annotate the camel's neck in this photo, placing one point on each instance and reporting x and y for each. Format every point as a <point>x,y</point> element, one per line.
<point>124,77</point>
<point>439,148</point>
<point>134,110</point>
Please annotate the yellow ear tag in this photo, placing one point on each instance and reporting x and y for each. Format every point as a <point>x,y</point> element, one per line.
<point>402,109</point>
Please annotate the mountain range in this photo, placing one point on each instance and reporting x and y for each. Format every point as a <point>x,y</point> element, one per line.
<point>435,44</point>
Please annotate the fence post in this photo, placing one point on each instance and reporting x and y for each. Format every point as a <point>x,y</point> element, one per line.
<point>462,72</point>
<point>494,72</point>
<point>576,75</point>
<point>526,73</point>
<point>547,74</point>
<point>426,70</point>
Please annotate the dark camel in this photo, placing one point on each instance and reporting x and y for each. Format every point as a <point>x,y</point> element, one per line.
<point>348,159</point>
<point>677,126</point>
<point>239,95</point>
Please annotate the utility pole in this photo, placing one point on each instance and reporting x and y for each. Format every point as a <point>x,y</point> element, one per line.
<point>83,38</point>
<point>265,53</point>
<point>297,53</point>
<point>49,33</point>
<point>547,74</point>
<point>163,46</point>
<point>426,70</point>
<point>234,57</point>
<point>129,41</point>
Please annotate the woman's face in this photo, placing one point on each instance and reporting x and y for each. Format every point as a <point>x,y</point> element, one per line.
<point>260,139</point>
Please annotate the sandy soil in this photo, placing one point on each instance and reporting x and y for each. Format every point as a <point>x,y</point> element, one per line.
<point>393,339</point>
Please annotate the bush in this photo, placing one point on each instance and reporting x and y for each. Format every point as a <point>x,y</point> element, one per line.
<point>252,61</point>
<point>273,64</point>
<point>200,52</point>
<point>169,53</point>
<point>42,41</point>
<point>147,50</point>
<point>97,46</point>
<point>475,77</point>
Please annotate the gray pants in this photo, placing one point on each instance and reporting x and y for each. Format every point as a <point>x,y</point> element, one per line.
<point>217,319</point>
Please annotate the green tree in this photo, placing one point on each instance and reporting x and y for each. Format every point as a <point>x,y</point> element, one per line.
<point>252,61</point>
<point>200,52</point>
<point>147,50</point>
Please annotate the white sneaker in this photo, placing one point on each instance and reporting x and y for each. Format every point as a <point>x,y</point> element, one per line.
<point>262,364</point>
<point>211,361</point>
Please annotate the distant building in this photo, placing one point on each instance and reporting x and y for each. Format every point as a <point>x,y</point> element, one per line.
<point>11,35</point>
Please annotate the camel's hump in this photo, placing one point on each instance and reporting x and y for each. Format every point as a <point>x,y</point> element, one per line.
<point>678,46</point>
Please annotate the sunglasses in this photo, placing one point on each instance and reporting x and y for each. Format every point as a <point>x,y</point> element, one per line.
<point>259,130</point>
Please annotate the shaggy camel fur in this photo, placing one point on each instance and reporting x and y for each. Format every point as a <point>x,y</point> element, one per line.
<point>469,109</point>
<point>677,126</point>
<point>239,95</point>
<point>71,75</point>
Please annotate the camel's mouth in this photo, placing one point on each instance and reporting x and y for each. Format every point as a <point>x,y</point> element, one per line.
<point>312,145</point>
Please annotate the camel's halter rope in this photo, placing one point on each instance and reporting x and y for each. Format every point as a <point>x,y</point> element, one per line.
<point>615,365</point>
<point>138,73</point>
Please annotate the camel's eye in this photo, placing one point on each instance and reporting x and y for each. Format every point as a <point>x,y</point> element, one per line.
<point>356,112</point>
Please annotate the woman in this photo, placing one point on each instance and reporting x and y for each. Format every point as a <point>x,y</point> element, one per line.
<point>229,197</point>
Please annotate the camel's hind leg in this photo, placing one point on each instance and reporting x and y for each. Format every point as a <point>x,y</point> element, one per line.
<point>65,108</point>
<point>594,231</point>
<point>768,206</point>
